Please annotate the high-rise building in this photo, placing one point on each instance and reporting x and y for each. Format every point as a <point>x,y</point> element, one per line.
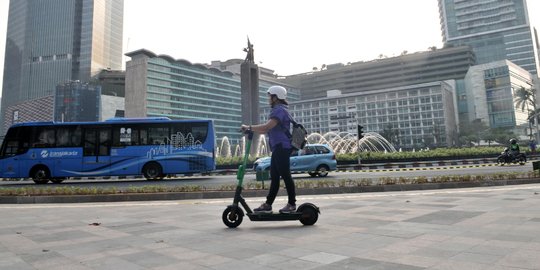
<point>50,42</point>
<point>495,29</point>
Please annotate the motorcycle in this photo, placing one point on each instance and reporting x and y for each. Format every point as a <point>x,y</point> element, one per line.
<point>507,158</point>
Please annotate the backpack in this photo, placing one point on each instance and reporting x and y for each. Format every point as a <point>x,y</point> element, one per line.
<point>298,135</point>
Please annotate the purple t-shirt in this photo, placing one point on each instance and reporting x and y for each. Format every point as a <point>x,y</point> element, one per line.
<point>277,135</point>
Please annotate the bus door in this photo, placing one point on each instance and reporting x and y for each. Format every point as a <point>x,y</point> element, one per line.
<point>10,161</point>
<point>97,151</point>
<point>13,152</point>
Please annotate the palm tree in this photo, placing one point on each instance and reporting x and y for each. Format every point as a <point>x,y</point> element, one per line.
<point>525,98</point>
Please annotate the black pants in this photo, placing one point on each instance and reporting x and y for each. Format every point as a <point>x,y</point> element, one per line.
<point>280,167</point>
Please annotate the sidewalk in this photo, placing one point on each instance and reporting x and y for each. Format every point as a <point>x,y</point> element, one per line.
<point>475,228</point>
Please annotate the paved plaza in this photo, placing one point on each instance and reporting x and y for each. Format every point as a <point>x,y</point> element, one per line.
<point>476,228</point>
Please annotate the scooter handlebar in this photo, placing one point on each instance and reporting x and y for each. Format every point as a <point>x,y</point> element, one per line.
<point>249,133</point>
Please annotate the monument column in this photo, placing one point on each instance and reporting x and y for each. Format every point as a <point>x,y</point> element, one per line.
<point>249,83</point>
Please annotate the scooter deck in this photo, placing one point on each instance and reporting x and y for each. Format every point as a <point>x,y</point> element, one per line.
<point>274,216</point>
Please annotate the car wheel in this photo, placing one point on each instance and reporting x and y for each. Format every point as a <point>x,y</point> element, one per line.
<point>322,170</point>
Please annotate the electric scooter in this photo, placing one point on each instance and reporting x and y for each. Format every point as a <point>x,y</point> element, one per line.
<point>233,215</point>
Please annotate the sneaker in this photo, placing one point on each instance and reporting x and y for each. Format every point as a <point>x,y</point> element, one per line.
<point>264,208</point>
<point>289,208</point>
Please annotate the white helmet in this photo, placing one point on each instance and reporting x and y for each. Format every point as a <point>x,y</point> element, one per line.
<point>277,90</point>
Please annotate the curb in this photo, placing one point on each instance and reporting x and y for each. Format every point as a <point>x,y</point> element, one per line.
<point>254,193</point>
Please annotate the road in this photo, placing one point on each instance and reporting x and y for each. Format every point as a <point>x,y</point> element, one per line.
<point>215,181</point>
<point>471,228</point>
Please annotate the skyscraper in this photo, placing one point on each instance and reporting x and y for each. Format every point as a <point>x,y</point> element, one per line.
<point>496,30</point>
<point>53,41</point>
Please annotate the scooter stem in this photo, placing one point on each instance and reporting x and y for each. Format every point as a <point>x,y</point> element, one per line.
<point>242,168</point>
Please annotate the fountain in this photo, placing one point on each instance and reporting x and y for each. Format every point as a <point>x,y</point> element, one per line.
<point>340,142</point>
<point>344,142</point>
<point>224,150</point>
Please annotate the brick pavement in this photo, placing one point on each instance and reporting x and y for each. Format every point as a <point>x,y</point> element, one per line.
<point>476,228</point>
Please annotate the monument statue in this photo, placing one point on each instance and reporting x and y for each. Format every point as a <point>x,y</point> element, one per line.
<point>249,57</point>
<point>249,92</point>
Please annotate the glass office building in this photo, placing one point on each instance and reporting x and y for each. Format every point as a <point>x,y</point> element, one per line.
<point>495,29</point>
<point>159,85</point>
<point>50,42</point>
<point>491,88</point>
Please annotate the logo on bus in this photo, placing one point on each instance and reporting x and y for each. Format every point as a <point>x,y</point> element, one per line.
<point>57,154</point>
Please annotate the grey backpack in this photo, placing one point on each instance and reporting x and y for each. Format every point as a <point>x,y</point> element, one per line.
<point>298,135</point>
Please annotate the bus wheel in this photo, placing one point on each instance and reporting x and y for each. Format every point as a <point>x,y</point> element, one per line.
<point>152,171</point>
<point>40,175</point>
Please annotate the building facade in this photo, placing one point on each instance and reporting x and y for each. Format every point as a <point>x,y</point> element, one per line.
<point>423,114</point>
<point>410,69</point>
<point>495,29</point>
<point>75,101</point>
<point>159,85</point>
<point>49,42</point>
<point>113,82</point>
<point>491,88</point>
<point>36,110</point>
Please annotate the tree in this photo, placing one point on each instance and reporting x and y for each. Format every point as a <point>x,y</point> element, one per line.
<point>525,99</point>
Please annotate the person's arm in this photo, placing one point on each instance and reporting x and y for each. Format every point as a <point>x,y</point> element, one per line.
<point>261,128</point>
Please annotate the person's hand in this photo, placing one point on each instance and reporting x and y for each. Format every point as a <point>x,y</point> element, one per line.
<point>243,128</point>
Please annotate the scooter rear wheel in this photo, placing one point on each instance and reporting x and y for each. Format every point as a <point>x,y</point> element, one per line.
<point>232,216</point>
<point>309,216</point>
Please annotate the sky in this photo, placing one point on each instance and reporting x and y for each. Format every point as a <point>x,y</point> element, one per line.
<point>288,37</point>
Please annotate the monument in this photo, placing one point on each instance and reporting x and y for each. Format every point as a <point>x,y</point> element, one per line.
<point>249,83</point>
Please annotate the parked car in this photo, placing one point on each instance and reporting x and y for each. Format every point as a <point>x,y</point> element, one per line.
<point>315,159</point>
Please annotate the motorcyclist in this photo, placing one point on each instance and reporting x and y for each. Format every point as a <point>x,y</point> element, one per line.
<point>514,148</point>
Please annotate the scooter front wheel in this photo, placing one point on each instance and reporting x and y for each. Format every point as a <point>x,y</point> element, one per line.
<point>232,216</point>
<point>309,215</point>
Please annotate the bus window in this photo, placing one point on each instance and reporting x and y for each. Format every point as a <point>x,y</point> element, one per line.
<point>158,135</point>
<point>43,137</point>
<point>187,134</point>
<point>104,142</point>
<point>68,136</point>
<point>17,141</point>
<point>89,143</point>
<point>143,136</point>
<point>200,131</point>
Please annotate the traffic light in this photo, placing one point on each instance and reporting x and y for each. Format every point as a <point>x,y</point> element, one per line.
<point>360,132</point>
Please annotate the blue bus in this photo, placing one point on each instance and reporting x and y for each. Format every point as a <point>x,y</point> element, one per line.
<point>152,147</point>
